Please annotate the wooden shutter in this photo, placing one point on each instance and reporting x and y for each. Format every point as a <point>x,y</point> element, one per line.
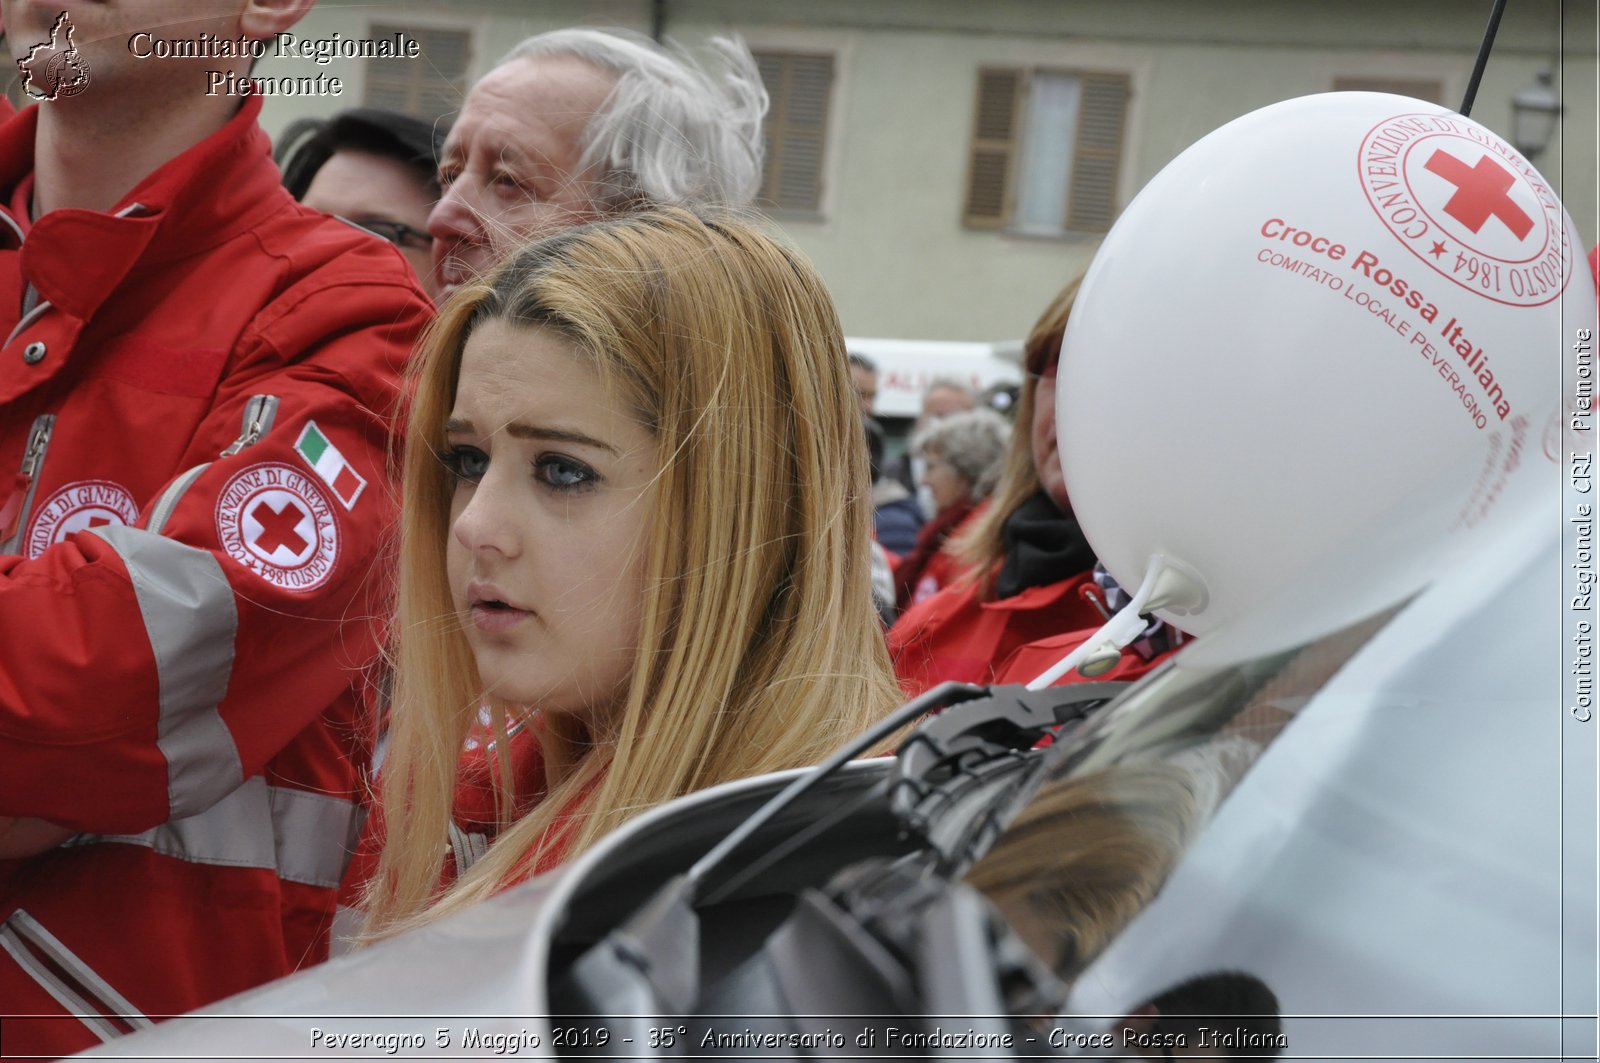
<point>1420,90</point>
<point>428,86</point>
<point>1097,152</point>
<point>994,148</point>
<point>795,129</point>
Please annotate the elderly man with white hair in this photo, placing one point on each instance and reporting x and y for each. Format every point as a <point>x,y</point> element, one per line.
<point>578,124</point>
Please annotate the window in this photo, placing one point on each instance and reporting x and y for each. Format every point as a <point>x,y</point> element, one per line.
<point>1420,90</point>
<point>1046,150</point>
<point>428,86</point>
<point>795,129</point>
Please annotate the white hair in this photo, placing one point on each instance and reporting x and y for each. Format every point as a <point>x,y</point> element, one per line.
<point>671,132</point>
<point>972,442</point>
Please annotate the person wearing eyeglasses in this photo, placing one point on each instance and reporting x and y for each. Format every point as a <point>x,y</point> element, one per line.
<point>373,168</point>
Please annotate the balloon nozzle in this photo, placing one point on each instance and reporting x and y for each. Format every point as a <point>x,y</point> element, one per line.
<point>1174,586</point>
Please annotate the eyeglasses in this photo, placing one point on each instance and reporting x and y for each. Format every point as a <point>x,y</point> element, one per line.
<point>398,233</point>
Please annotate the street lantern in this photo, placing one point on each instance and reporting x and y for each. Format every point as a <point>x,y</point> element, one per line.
<point>1534,111</point>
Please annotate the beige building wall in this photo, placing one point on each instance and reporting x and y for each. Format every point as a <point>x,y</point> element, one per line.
<point>889,237</point>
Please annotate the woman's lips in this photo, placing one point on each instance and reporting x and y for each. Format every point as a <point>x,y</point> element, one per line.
<point>493,619</point>
<point>490,611</point>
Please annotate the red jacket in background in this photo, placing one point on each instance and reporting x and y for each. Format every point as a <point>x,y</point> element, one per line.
<point>929,567</point>
<point>955,636</point>
<point>1033,660</point>
<point>194,428</point>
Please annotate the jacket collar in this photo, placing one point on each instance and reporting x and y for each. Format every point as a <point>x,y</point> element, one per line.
<point>216,189</point>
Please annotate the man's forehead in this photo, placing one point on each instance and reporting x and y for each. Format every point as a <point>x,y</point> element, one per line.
<point>544,93</point>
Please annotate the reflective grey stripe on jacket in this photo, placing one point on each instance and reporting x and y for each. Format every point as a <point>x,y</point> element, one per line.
<point>21,936</point>
<point>468,847</point>
<point>302,836</point>
<point>191,620</point>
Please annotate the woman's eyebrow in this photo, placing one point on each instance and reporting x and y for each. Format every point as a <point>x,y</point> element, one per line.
<point>521,430</point>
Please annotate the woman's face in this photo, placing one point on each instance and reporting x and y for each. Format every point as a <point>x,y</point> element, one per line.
<point>941,479</point>
<point>554,483</point>
<point>1046,459</point>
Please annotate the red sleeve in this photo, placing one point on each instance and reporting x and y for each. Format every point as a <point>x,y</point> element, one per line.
<point>149,670</point>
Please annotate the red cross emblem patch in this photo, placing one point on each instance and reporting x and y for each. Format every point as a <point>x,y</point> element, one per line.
<point>1469,206</point>
<point>79,506</point>
<point>274,520</point>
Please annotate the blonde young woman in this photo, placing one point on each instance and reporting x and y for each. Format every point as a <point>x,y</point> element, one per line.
<point>634,541</point>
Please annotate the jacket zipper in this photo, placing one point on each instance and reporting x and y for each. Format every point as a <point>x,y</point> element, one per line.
<point>26,484</point>
<point>259,413</point>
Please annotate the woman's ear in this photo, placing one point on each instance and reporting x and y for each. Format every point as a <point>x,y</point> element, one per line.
<point>262,19</point>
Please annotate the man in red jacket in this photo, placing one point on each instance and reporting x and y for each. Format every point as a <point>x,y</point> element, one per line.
<point>197,385</point>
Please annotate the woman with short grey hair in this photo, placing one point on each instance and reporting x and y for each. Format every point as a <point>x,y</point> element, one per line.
<point>971,444</point>
<point>962,456</point>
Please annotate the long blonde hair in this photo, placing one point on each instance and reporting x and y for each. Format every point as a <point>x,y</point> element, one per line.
<point>759,648</point>
<point>980,548</point>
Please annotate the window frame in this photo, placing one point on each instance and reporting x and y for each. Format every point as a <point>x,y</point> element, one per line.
<point>1393,85</point>
<point>986,148</point>
<point>825,132</point>
<point>415,25</point>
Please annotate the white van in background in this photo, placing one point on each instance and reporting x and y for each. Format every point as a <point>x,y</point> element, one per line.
<point>907,367</point>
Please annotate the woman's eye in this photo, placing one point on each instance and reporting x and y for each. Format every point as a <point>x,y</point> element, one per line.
<point>447,176</point>
<point>564,474</point>
<point>465,463</point>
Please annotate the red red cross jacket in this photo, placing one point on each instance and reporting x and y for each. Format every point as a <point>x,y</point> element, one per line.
<point>475,821</point>
<point>195,399</point>
<point>956,636</point>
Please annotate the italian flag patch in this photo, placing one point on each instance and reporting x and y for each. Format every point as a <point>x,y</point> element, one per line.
<point>327,462</point>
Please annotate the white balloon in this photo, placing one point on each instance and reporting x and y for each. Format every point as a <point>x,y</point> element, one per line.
<point>1321,350</point>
